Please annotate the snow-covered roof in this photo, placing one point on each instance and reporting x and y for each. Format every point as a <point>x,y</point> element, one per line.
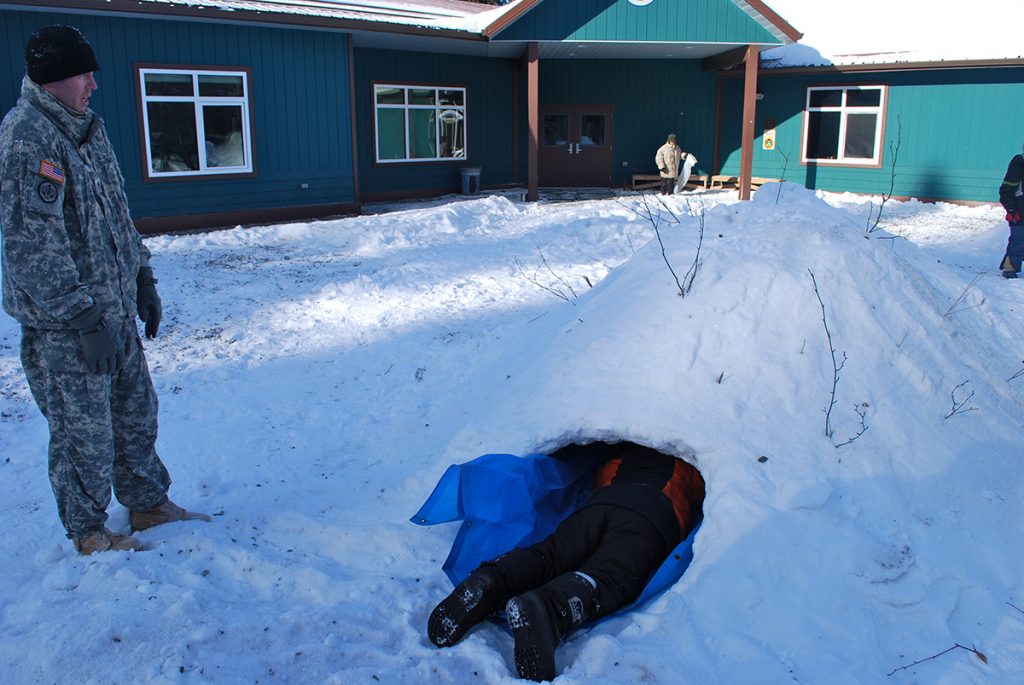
<point>454,15</point>
<point>889,34</point>
<point>799,55</point>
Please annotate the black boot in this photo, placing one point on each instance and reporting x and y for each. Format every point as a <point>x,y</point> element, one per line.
<point>468,604</point>
<point>541,619</point>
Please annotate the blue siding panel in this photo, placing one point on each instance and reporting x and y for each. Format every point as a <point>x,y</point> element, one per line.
<point>490,118</point>
<point>301,113</point>
<point>645,109</point>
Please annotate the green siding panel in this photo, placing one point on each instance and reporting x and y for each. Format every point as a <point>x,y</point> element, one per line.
<point>490,119</point>
<point>649,100</point>
<point>703,21</point>
<point>301,113</point>
<point>956,129</point>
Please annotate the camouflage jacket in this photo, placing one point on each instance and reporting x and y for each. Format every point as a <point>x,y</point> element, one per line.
<point>68,239</point>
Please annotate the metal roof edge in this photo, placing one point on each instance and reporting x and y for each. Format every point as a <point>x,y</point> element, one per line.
<point>772,18</point>
<point>173,11</point>
<point>896,66</point>
<point>502,22</point>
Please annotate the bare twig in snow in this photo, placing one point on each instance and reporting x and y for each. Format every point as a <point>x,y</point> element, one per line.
<point>959,304</point>
<point>533,279</point>
<point>691,273</point>
<point>1019,373</point>
<point>656,219</point>
<point>836,366</point>
<point>1016,607</point>
<point>959,405</point>
<point>971,649</point>
<point>785,166</point>
<point>894,150</point>
<point>862,410</point>
<point>544,263</point>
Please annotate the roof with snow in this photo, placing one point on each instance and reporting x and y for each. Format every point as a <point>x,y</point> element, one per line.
<point>371,21</point>
<point>798,55</point>
<point>450,15</point>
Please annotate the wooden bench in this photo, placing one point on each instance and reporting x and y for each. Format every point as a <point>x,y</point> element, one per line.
<point>644,181</point>
<point>723,181</point>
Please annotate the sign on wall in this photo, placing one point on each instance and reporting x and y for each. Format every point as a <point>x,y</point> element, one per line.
<point>768,140</point>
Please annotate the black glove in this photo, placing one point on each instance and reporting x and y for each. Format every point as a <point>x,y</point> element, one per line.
<point>662,169</point>
<point>101,354</point>
<point>150,308</point>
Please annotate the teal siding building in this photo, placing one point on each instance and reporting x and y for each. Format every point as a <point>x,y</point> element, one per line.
<point>946,133</point>
<point>300,121</point>
<point>244,111</point>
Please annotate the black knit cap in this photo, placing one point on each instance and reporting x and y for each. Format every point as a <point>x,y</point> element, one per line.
<point>55,53</point>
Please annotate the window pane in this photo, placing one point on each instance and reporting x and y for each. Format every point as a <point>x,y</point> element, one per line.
<point>168,84</point>
<point>223,127</point>
<point>822,135</point>
<point>592,129</point>
<point>556,129</point>
<point>420,96</point>
<point>390,134</point>
<point>453,132</point>
<point>451,97</point>
<point>863,98</point>
<point>172,136</point>
<point>860,135</point>
<point>390,96</point>
<point>221,86</point>
<point>422,134</point>
<point>826,98</point>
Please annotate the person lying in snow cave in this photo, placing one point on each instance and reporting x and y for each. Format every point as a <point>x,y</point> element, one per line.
<point>597,561</point>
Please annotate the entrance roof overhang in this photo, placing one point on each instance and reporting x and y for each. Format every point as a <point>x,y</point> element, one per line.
<point>441,26</point>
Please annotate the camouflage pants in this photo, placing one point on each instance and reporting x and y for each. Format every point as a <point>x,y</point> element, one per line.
<point>102,427</point>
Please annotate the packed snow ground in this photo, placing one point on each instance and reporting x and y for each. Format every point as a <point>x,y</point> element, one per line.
<point>316,379</point>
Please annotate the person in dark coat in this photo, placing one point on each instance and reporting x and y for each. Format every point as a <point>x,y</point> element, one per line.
<point>598,560</point>
<point>1011,193</point>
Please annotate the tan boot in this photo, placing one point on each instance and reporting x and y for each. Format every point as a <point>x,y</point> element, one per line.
<point>104,540</point>
<point>165,513</point>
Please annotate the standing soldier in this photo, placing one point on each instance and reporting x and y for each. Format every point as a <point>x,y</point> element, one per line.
<point>75,273</point>
<point>1011,196</point>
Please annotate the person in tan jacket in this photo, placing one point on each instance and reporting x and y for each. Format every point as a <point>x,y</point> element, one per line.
<point>668,161</point>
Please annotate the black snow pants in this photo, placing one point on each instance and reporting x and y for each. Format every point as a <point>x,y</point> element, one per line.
<point>615,546</point>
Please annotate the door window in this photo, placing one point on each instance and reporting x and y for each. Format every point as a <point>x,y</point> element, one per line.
<point>556,129</point>
<point>592,129</point>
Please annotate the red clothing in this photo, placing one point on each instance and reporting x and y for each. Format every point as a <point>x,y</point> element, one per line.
<point>629,478</point>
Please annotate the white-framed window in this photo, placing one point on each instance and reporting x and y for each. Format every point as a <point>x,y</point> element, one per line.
<point>419,123</point>
<point>195,122</point>
<point>843,125</point>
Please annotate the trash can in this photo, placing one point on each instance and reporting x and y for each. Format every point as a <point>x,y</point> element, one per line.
<point>470,180</point>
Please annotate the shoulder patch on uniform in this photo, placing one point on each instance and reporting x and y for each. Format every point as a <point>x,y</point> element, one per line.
<point>48,192</point>
<point>51,171</point>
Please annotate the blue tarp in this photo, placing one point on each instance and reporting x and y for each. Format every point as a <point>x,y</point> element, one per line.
<point>506,501</point>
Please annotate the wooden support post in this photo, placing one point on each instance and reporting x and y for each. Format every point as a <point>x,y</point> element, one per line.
<point>749,113</point>
<point>533,118</point>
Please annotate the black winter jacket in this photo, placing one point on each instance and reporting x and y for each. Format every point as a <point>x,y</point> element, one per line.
<point>1010,192</point>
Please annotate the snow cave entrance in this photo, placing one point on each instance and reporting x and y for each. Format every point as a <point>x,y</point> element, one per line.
<point>505,501</point>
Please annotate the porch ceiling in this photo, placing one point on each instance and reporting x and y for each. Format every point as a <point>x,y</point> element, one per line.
<point>608,50</point>
<point>548,50</point>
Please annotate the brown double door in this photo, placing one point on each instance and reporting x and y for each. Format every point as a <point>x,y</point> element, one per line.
<point>575,146</point>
